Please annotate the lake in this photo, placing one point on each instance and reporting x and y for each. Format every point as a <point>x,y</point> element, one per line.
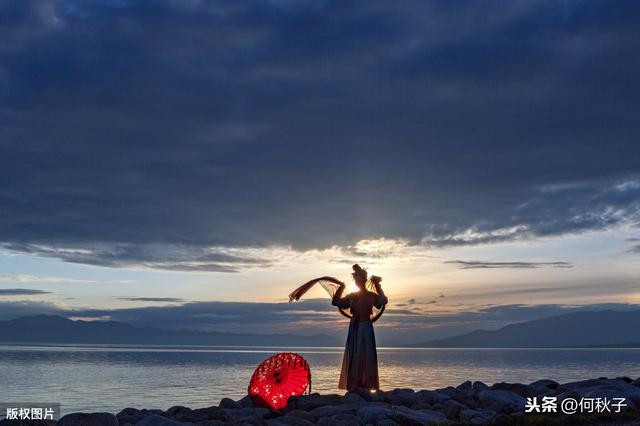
<point>109,378</point>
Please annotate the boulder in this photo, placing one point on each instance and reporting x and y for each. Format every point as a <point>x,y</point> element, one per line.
<point>502,401</point>
<point>302,414</point>
<point>452,409</point>
<point>636,383</point>
<point>339,420</point>
<point>479,387</point>
<point>432,397</point>
<point>409,417</point>
<point>201,414</point>
<point>176,411</point>
<point>133,415</point>
<point>404,397</point>
<point>371,414</point>
<point>522,390</point>
<point>449,390</point>
<point>309,402</point>
<point>352,397</point>
<point>246,414</point>
<point>333,410</point>
<point>477,417</point>
<point>542,386</point>
<point>365,394</point>
<point>468,399</point>
<point>502,419</point>
<point>209,423</point>
<point>387,422</point>
<point>88,419</point>
<point>246,402</point>
<point>229,403</point>
<point>156,420</point>
<point>289,421</point>
<point>588,383</point>
<point>466,386</point>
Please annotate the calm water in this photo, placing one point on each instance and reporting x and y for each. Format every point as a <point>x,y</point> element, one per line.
<point>111,378</point>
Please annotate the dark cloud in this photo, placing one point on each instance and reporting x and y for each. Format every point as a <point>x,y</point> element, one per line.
<point>154,256</point>
<point>145,133</point>
<point>21,292</point>
<point>151,299</point>
<point>472,264</point>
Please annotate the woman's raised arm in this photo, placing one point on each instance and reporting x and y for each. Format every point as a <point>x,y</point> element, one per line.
<point>381,299</point>
<point>338,300</point>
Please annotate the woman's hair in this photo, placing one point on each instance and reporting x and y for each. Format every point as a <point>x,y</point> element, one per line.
<point>358,271</point>
<point>371,283</point>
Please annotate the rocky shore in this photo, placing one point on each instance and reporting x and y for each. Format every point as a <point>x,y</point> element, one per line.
<point>468,403</point>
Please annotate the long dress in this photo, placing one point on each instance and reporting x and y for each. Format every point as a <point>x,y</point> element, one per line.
<point>360,361</point>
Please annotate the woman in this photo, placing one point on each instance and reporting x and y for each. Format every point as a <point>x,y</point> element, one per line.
<point>360,361</point>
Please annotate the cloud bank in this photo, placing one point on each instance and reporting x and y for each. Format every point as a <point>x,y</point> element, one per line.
<point>168,134</point>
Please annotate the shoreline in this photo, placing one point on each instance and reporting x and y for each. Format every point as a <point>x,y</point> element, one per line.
<point>468,403</point>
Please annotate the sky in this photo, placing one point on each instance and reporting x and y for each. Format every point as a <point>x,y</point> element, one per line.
<point>189,163</point>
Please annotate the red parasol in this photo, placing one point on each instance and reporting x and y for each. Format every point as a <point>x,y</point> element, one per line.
<point>279,377</point>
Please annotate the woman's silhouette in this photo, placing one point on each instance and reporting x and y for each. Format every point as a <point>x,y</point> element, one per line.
<point>360,361</point>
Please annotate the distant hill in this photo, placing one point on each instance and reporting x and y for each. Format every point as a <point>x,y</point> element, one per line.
<point>57,329</point>
<point>602,328</point>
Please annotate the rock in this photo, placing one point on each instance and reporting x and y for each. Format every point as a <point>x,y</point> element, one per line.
<point>543,385</point>
<point>88,419</point>
<point>333,410</point>
<point>133,415</point>
<point>452,409</point>
<point>502,401</point>
<point>201,414</point>
<point>302,414</point>
<point>432,397</point>
<point>502,419</point>
<point>587,384</point>
<point>476,417</point>
<point>246,402</point>
<point>625,379</point>
<point>468,399</point>
<point>404,397</point>
<point>289,421</point>
<point>636,383</point>
<point>449,390</point>
<point>344,419</point>
<point>365,394</point>
<point>465,386</point>
<point>522,390</point>
<point>229,403</point>
<point>373,414</point>
<point>156,420</point>
<point>387,422</point>
<point>209,423</point>
<point>176,410</point>
<point>409,417</point>
<point>352,397</point>
<point>247,414</point>
<point>479,387</point>
<point>309,402</point>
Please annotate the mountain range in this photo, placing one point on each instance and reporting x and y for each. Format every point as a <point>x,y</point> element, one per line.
<point>57,329</point>
<point>576,329</point>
